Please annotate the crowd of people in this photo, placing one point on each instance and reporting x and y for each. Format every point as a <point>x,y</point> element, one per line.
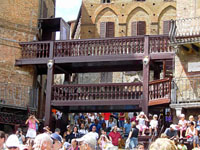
<point>106,131</point>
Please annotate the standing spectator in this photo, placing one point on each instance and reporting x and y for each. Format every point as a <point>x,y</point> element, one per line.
<point>20,136</point>
<point>43,142</point>
<point>192,135</point>
<point>133,119</point>
<point>31,121</point>
<point>121,119</point>
<point>111,123</point>
<point>142,118</point>
<point>57,141</point>
<point>82,130</point>
<point>106,118</point>
<point>182,125</point>
<point>101,120</point>
<point>133,136</point>
<point>154,125</point>
<point>168,119</point>
<point>2,140</point>
<point>12,143</point>
<point>115,137</point>
<point>127,127</point>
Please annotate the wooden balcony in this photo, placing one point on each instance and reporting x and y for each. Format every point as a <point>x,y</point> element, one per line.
<point>110,94</point>
<point>185,31</point>
<point>93,50</point>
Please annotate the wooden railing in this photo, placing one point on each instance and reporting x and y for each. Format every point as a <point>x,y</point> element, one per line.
<point>13,119</point>
<point>160,89</point>
<point>160,44</point>
<point>114,91</point>
<point>35,49</point>
<point>17,95</point>
<point>99,47</point>
<point>95,47</point>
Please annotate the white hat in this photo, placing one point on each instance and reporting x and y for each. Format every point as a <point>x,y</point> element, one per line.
<point>182,115</point>
<point>155,115</point>
<point>173,127</point>
<point>88,138</point>
<point>141,113</point>
<point>12,141</point>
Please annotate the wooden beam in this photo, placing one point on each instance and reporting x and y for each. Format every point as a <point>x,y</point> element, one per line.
<point>35,61</point>
<point>95,102</point>
<point>159,101</point>
<point>61,69</point>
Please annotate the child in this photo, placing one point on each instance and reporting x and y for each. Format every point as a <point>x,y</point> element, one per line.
<point>154,125</point>
<point>182,125</point>
<point>181,145</point>
<point>141,118</point>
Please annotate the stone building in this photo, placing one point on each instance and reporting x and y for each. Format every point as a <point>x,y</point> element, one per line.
<point>117,18</point>
<point>185,38</point>
<point>19,85</point>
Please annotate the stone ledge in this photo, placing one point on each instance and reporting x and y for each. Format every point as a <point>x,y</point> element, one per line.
<point>186,105</point>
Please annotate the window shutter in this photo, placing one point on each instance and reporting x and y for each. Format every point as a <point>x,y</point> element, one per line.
<point>103,29</point>
<point>141,26</point>
<point>166,27</point>
<point>134,28</point>
<point>110,29</point>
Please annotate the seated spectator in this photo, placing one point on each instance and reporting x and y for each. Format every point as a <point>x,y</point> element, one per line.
<point>171,132</point>
<point>140,146</point>
<point>74,134</point>
<point>198,123</point>
<point>142,118</point>
<point>87,142</point>
<point>67,134</point>
<point>191,119</point>
<point>163,144</point>
<point>192,135</point>
<point>82,130</point>
<point>115,137</point>
<point>181,145</point>
<point>103,141</point>
<point>182,124</point>
<point>94,133</point>
<point>13,142</point>
<point>154,125</point>
<point>2,140</point>
<point>74,145</point>
<point>96,123</point>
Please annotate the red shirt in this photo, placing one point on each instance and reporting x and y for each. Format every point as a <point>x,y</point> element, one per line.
<point>107,116</point>
<point>115,137</point>
<point>121,118</point>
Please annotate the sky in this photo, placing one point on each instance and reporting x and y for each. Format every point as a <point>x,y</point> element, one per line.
<point>68,9</point>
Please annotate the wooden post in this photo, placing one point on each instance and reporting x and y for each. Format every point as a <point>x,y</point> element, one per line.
<point>50,73</point>
<point>164,69</point>
<point>146,76</point>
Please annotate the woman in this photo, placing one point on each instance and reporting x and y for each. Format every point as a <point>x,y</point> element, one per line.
<point>103,141</point>
<point>31,121</point>
<point>192,135</point>
<point>75,134</point>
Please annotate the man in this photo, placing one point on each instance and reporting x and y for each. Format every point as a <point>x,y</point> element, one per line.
<point>171,132</point>
<point>20,136</point>
<point>98,126</point>
<point>133,136</point>
<point>12,143</point>
<point>94,133</point>
<point>87,142</point>
<point>115,137</point>
<point>2,140</point>
<point>127,127</point>
<point>57,141</point>
<point>43,142</point>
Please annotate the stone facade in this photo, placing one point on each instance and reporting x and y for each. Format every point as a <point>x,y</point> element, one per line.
<point>123,13</point>
<point>19,22</point>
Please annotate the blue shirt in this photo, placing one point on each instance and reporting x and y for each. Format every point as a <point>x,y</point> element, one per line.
<point>98,127</point>
<point>127,128</point>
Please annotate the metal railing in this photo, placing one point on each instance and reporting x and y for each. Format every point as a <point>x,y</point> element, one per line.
<point>185,30</point>
<point>187,89</point>
<point>17,95</point>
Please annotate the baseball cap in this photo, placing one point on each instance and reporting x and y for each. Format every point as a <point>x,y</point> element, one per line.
<point>57,137</point>
<point>88,138</point>
<point>12,141</point>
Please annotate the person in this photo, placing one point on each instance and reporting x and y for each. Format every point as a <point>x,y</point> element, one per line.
<point>181,145</point>
<point>121,119</point>
<point>115,137</point>
<point>87,142</point>
<point>192,135</point>
<point>142,118</point>
<point>163,144</point>
<point>191,119</point>
<point>2,140</point>
<point>168,119</point>
<point>43,142</point>
<point>140,146</point>
<point>82,130</point>
<point>198,123</point>
<point>67,134</point>
<point>57,141</point>
<point>133,119</point>
<point>57,130</point>
<point>127,127</point>
<point>94,133</point>
<point>20,136</point>
<point>103,141</point>
<point>96,123</point>
<point>12,143</point>
<point>106,118</point>
<point>171,132</point>
<point>111,123</point>
<point>154,125</point>
<point>133,136</point>
<point>31,121</point>
<point>74,134</point>
<point>74,145</point>
<point>182,125</point>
